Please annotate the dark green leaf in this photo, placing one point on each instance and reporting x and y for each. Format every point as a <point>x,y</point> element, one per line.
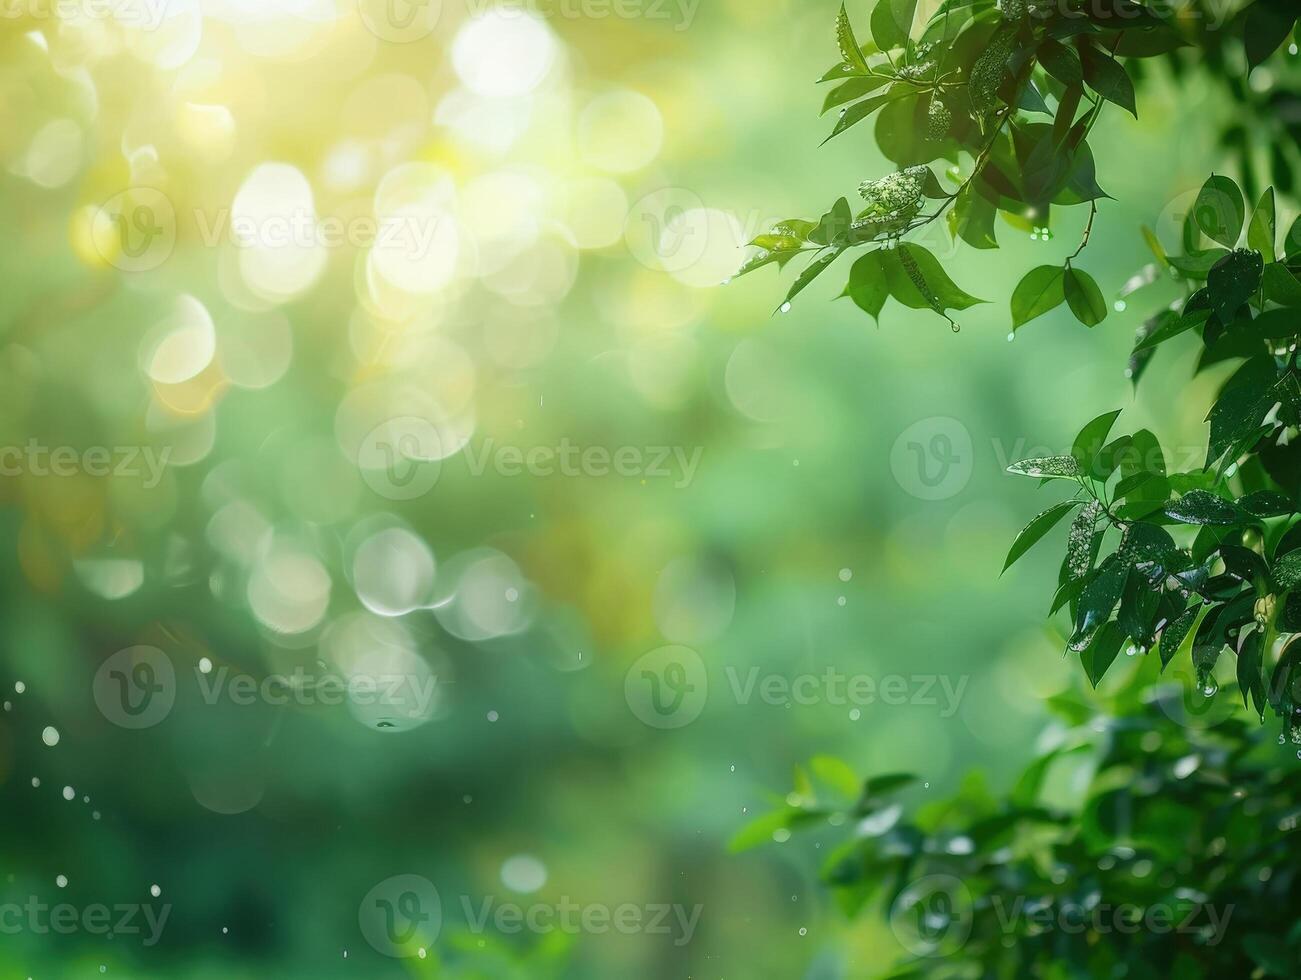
<point>1104,75</point>
<point>892,22</point>
<point>1172,637</point>
<point>1234,280</point>
<point>918,281</point>
<point>1084,297</point>
<point>1101,653</point>
<point>1090,440</point>
<point>1203,507</point>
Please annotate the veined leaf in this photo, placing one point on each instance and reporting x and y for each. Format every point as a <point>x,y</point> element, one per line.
<point>1220,211</point>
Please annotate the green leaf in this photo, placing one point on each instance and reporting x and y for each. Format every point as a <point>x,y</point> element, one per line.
<point>892,23</point>
<point>1262,232</point>
<point>859,111</point>
<point>1287,571</point>
<point>849,49</point>
<point>1201,507</point>
<point>1104,75</point>
<point>811,272</point>
<point>1251,681</point>
<point>1084,297</point>
<point>918,281</point>
<point>1047,468</point>
<point>853,89</point>
<point>1232,281</point>
<point>1172,637</point>
<point>837,774</point>
<point>1267,25</point>
<point>1040,290</point>
<point>1037,528</point>
<point>1220,211</point>
<point>1281,285</point>
<point>1090,440</point>
<point>1061,62</point>
<point>1266,503</point>
<point>868,286</point>
<point>759,831</point>
<point>1101,651</point>
<point>972,219</point>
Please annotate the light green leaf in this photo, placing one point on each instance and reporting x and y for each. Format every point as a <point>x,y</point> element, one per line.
<point>1037,528</point>
<point>1040,290</point>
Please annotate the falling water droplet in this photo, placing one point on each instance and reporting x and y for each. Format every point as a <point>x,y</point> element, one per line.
<point>155,891</point>
<point>61,881</point>
<point>50,736</point>
<point>1121,306</point>
<point>1011,337</point>
<point>803,931</point>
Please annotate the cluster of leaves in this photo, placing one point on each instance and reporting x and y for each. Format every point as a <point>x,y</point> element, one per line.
<point>1015,91</point>
<point>1090,866</point>
<point>1008,92</point>
<point>1231,580</point>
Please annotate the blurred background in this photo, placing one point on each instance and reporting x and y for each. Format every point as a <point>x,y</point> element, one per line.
<point>396,503</point>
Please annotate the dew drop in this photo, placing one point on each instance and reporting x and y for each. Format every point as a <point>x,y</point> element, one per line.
<point>855,714</point>
<point>1011,337</point>
<point>155,891</point>
<point>20,687</point>
<point>803,931</point>
<point>786,307</point>
<point>69,793</point>
<point>846,575</point>
<point>1121,306</point>
<point>61,881</point>
<point>493,716</point>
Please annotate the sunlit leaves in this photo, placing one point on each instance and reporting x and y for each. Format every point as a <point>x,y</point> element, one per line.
<point>1090,440</point>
